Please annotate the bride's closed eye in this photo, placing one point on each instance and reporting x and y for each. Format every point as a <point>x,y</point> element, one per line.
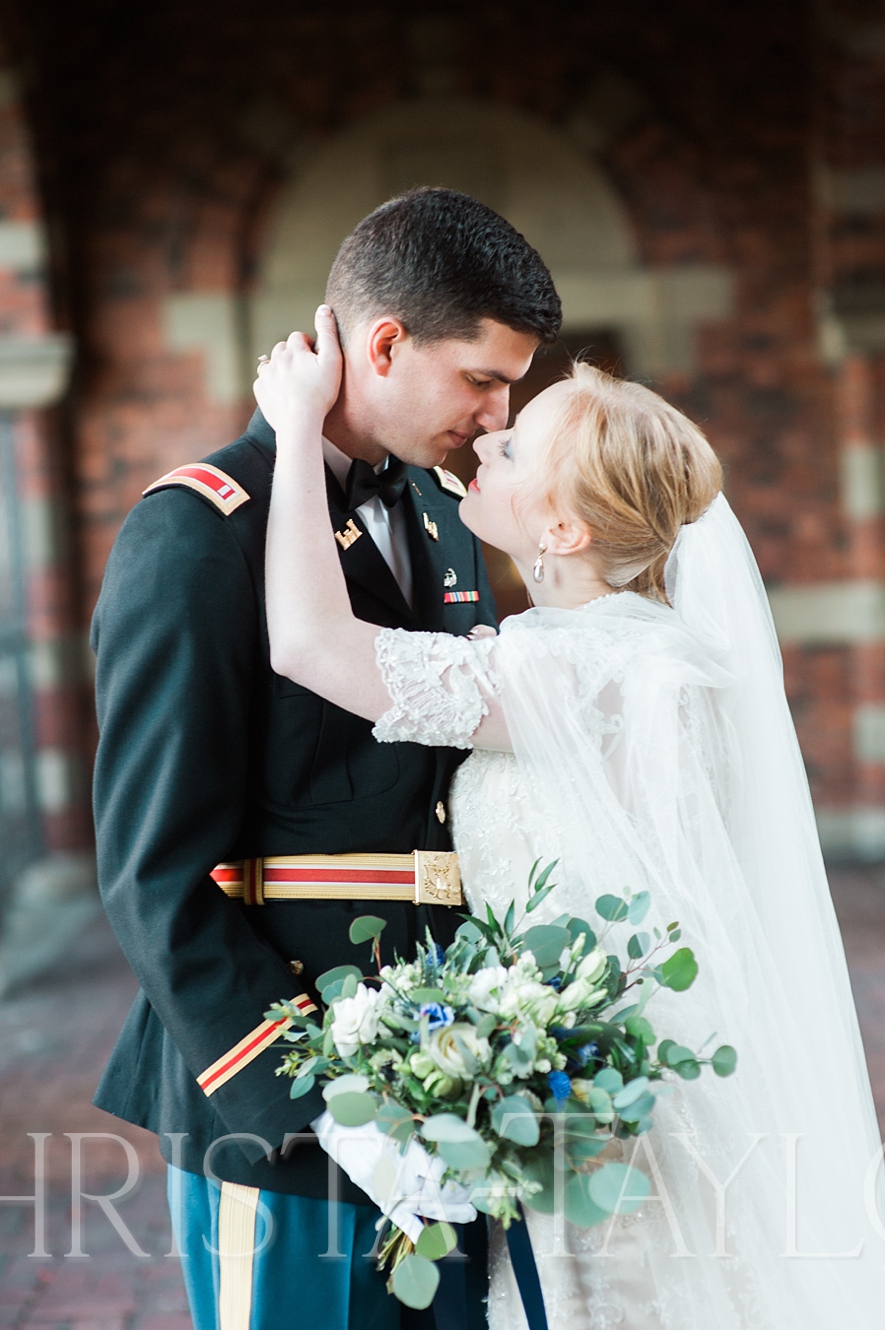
<point>504,446</point>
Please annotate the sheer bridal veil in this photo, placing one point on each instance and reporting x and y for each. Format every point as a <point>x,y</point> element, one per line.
<point>656,744</point>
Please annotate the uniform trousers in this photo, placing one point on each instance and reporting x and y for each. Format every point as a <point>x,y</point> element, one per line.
<point>265,1260</point>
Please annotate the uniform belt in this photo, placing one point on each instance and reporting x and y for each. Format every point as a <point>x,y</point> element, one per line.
<point>425,877</point>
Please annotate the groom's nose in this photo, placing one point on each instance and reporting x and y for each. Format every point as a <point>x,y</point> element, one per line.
<point>495,410</point>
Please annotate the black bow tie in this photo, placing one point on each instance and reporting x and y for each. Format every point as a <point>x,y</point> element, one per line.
<point>363,483</point>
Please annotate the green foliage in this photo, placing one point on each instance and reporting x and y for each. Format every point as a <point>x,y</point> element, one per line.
<point>680,970</point>
<point>513,1118</point>
<point>415,1281</point>
<point>724,1060</point>
<point>612,908</point>
<point>436,1241</point>
<point>618,1188</point>
<point>352,1110</point>
<point>366,928</point>
<point>546,943</point>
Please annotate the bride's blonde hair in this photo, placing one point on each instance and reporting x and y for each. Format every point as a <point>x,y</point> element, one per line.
<point>633,468</point>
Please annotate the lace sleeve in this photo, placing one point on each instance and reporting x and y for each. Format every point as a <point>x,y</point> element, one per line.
<point>438,685</point>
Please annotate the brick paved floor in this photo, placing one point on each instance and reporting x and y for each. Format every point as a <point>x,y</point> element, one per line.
<point>54,1040</point>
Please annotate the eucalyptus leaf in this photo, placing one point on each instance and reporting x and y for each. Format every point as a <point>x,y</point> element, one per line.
<point>638,907</point>
<point>302,1086</point>
<point>689,1070</point>
<point>581,1209</point>
<point>639,1109</point>
<point>546,943</point>
<point>637,946</point>
<point>578,926</point>
<point>351,1083</point>
<point>612,908</point>
<point>678,1053</point>
<point>436,1241</point>
<point>468,1155</point>
<point>664,1050</point>
<point>348,986</point>
<point>631,1092</point>
<point>609,1079</point>
<point>486,1025</point>
<point>448,1127</point>
<point>600,1102</point>
<point>415,1281</point>
<point>336,975</point>
<point>724,1060</point>
<point>679,971</point>
<point>353,1110</point>
<point>539,1167</point>
<point>427,995</point>
<point>395,1121</point>
<point>640,1028</point>
<point>618,1188</point>
<point>366,927</point>
<point>514,1119</point>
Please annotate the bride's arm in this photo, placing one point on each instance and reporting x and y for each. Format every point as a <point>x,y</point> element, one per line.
<point>315,638</point>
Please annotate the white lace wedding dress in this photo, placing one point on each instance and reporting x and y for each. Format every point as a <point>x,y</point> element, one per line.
<point>654,750</point>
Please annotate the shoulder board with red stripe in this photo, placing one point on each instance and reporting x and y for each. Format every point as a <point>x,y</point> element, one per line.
<point>447,480</point>
<point>216,486</point>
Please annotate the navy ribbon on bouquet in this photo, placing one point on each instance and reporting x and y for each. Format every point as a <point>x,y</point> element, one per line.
<point>522,1258</point>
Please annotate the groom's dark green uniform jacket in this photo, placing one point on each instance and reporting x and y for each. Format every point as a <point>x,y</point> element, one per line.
<point>206,755</point>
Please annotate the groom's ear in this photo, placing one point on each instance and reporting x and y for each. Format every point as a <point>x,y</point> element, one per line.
<point>385,338</point>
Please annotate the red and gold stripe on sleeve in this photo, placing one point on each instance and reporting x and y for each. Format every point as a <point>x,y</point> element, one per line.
<point>238,1057</point>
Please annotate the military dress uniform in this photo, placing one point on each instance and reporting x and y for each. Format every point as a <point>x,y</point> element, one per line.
<point>208,757</point>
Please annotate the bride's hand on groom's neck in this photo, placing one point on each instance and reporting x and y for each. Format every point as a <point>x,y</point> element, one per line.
<point>300,382</point>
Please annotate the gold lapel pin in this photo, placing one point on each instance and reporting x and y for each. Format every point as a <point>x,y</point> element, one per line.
<point>431,528</point>
<point>350,534</point>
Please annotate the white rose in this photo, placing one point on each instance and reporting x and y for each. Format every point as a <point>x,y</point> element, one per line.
<point>486,987</point>
<point>443,1049</point>
<point>356,1020</point>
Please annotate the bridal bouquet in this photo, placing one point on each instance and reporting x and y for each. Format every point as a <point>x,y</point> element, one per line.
<point>516,1055</point>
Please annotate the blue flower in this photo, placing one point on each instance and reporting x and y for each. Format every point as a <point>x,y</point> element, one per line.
<point>555,982</point>
<point>560,1085</point>
<point>438,1015</point>
<point>587,1053</point>
<point>436,954</point>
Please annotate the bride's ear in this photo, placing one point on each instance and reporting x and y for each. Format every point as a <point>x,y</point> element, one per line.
<point>568,537</point>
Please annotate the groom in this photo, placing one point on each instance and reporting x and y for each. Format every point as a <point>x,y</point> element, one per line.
<point>207,757</point>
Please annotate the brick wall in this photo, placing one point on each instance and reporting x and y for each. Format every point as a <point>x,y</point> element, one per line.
<point>744,140</point>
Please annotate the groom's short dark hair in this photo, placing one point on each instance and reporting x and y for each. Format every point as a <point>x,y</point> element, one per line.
<point>440,261</point>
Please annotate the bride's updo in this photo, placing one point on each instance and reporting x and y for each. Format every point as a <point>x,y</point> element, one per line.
<point>633,468</point>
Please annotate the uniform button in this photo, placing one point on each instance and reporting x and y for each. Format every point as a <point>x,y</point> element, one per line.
<point>440,812</point>
<point>296,966</point>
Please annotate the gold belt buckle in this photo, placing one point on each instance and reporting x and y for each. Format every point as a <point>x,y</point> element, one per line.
<point>437,878</point>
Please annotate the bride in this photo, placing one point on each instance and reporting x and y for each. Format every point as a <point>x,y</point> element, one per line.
<point>633,725</point>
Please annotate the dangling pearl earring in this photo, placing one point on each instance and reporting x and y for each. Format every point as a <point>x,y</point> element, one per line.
<point>538,569</point>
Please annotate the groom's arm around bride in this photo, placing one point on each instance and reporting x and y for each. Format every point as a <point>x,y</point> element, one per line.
<point>207,757</point>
